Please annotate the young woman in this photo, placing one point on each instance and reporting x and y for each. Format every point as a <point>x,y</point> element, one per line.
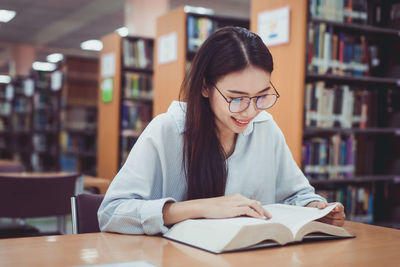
<point>218,155</point>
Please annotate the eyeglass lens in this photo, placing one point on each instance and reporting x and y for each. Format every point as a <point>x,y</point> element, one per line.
<point>241,103</point>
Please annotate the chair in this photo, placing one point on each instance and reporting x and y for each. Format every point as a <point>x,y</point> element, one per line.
<point>84,213</point>
<point>11,167</point>
<point>30,195</point>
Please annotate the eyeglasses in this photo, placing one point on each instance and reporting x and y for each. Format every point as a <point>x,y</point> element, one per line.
<point>239,104</point>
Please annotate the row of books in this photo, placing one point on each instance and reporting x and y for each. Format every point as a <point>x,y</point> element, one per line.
<point>5,108</point>
<point>71,143</point>
<point>21,123</point>
<point>349,11</point>
<point>198,30</point>
<point>22,105</point>
<point>137,53</point>
<point>45,121</point>
<point>44,100</point>
<point>126,146</point>
<point>83,118</point>
<point>337,106</point>
<point>329,158</point>
<point>358,202</point>
<point>42,79</point>
<point>340,53</point>
<point>44,143</point>
<point>138,85</point>
<point>3,124</point>
<point>43,162</point>
<point>74,163</point>
<point>135,116</point>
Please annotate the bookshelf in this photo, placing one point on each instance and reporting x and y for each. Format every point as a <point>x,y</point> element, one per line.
<point>339,111</point>
<point>123,116</point>
<point>46,122</point>
<point>78,132</point>
<point>21,122</point>
<point>186,25</point>
<point>5,122</point>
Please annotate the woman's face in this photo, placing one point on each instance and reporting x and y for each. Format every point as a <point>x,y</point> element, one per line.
<point>249,82</point>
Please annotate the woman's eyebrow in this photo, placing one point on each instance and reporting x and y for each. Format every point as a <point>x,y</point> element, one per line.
<point>245,93</point>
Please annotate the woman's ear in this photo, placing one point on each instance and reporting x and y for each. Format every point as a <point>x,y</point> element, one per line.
<point>205,91</point>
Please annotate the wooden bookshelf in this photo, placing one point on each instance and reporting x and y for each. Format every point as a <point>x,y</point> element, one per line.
<point>168,77</point>
<point>78,131</point>
<point>112,116</point>
<point>5,124</point>
<point>21,124</point>
<point>373,174</point>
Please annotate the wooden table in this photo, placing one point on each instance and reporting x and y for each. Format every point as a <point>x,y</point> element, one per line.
<point>5,162</point>
<point>35,174</point>
<point>373,246</point>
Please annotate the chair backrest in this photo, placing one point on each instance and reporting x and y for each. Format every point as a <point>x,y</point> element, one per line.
<point>84,213</point>
<point>12,168</point>
<point>36,196</point>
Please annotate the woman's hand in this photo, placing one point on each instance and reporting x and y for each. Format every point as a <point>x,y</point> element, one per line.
<point>335,217</point>
<point>213,208</point>
<point>232,206</point>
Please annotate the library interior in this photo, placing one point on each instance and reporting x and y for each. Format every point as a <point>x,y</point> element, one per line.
<point>80,80</point>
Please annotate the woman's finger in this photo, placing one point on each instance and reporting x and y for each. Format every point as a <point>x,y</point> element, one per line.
<point>336,215</point>
<point>248,211</point>
<point>331,221</point>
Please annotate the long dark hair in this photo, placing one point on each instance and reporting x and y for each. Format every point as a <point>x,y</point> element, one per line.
<point>229,49</point>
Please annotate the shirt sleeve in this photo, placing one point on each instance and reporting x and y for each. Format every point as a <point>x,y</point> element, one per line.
<point>292,187</point>
<point>133,203</point>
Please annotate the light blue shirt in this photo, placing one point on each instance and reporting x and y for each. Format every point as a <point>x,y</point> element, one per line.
<point>260,168</point>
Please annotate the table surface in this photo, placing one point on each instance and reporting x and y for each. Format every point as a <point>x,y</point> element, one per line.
<point>4,162</point>
<point>35,174</point>
<point>373,246</point>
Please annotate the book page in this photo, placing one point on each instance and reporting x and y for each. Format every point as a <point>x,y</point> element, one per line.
<point>294,217</point>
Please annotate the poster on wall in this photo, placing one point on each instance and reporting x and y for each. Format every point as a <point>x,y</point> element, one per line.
<point>107,86</point>
<point>167,48</point>
<point>108,65</point>
<point>273,26</point>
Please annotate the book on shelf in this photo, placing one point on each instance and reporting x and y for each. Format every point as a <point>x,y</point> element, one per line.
<point>358,201</point>
<point>76,143</point>
<point>135,116</point>
<point>332,158</point>
<point>137,53</point>
<point>68,163</point>
<point>349,11</point>
<point>79,118</point>
<point>340,53</point>
<point>338,106</point>
<point>198,30</point>
<point>138,86</point>
<point>289,224</point>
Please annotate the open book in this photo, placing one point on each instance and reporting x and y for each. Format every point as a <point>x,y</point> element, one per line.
<point>288,224</point>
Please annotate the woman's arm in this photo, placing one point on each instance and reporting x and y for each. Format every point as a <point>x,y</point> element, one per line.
<point>217,207</point>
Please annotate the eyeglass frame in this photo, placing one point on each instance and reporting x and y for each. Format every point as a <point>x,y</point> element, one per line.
<point>250,98</point>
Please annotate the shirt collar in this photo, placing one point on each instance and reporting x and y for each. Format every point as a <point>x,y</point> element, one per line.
<point>178,112</point>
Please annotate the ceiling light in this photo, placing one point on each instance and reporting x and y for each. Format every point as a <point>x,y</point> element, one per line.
<point>55,57</point>
<point>5,79</point>
<point>199,10</point>
<point>6,15</point>
<point>43,66</point>
<point>123,31</point>
<point>94,45</point>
